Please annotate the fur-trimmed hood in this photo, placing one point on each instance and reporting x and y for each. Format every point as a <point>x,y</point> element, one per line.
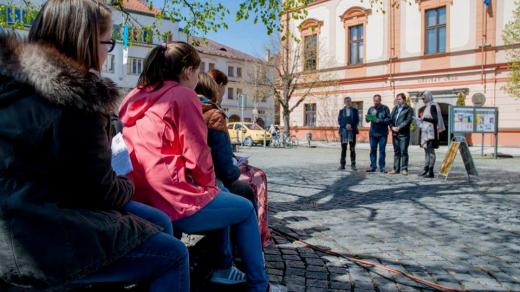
<point>56,77</point>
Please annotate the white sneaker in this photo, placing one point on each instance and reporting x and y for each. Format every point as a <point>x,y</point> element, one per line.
<point>231,276</point>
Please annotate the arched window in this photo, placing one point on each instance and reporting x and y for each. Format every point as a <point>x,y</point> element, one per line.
<point>355,20</point>
<point>309,31</point>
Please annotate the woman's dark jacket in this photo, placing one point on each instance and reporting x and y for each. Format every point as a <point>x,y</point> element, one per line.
<point>353,120</point>
<point>60,201</point>
<point>219,142</point>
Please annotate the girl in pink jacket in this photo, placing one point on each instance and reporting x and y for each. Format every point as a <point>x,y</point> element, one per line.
<point>173,169</point>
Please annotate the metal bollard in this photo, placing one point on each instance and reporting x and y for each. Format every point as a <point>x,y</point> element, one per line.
<point>308,135</point>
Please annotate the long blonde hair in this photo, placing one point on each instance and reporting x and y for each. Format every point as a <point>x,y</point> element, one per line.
<point>74,28</point>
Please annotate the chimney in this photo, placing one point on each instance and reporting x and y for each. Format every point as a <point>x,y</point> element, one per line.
<point>267,55</point>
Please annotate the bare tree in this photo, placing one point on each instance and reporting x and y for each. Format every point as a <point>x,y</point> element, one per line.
<point>283,77</point>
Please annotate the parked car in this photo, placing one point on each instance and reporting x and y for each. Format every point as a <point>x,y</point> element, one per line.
<point>248,134</point>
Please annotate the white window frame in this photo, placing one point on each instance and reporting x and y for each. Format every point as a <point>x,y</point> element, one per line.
<point>109,66</point>
<point>138,66</point>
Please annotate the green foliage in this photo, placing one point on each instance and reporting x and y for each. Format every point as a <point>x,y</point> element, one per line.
<point>461,99</point>
<point>199,17</point>
<point>511,36</point>
<point>272,12</point>
<point>20,16</point>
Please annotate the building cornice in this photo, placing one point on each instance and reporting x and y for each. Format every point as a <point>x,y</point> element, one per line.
<point>310,24</point>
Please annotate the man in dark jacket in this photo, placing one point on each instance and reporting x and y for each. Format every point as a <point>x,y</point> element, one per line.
<point>379,118</point>
<point>402,116</point>
<point>348,120</point>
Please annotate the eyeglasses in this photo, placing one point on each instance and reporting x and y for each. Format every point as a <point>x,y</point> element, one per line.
<point>111,44</point>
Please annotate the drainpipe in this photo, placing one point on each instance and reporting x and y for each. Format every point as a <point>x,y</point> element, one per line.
<point>483,55</point>
<point>392,48</point>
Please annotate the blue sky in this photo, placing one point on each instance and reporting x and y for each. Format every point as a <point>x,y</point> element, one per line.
<point>244,35</point>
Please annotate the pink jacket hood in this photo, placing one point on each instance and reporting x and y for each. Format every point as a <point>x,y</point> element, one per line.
<point>138,101</point>
<point>167,142</point>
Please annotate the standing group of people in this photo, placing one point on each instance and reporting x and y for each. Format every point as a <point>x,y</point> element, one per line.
<point>66,217</point>
<point>399,122</point>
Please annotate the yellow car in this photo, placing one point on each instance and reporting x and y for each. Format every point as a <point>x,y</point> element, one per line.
<point>248,134</point>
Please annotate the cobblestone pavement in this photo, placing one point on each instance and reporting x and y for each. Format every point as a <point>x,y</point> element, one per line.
<point>457,233</point>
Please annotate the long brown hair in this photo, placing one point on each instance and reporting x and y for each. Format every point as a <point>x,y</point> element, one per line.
<point>207,87</point>
<point>73,27</point>
<point>168,62</point>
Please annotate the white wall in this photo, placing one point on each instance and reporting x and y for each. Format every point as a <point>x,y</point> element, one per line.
<point>506,8</point>
<point>332,39</point>
<point>411,30</point>
<point>461,23</point>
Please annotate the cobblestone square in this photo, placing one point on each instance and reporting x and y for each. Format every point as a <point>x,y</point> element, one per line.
<point>458,233</point>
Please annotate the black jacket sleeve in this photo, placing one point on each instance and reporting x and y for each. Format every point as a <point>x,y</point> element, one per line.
<point>387,119</point>
<point>222,154</point>
<point>407,119</point>
<point>82,146</point>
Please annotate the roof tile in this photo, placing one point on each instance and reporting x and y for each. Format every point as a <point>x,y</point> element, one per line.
<point>140,6</point>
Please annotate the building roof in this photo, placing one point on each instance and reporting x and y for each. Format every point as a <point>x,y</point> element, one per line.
<point>211,47</point>
<point>140,7</point>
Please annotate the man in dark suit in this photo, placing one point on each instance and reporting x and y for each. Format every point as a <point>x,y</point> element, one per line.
<point>348,120</point>
<point>402,116</point>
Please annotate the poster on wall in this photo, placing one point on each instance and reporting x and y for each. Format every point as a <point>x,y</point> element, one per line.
<point>486,120</point>
<point>463,119</point>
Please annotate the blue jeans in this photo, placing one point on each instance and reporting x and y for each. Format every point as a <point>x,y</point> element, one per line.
<point>231,210</point>
<point>375,142</point>
<point>161,261</point>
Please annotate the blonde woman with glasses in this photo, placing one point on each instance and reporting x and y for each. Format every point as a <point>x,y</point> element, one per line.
<point>66,218</point>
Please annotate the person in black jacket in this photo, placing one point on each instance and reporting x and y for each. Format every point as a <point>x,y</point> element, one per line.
<point>226,171</point>
<point>218,137</point>
<point>348,120</point>
<point>379,118</point>
<point>64,213</point>
<point>402,116</point>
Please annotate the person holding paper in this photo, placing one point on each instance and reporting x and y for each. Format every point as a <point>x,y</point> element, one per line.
<point>348,120</point>
<point>402,115</point>
<point>432,125</point>
<point>218,137</point>
<point>379,118</point>
<point>167,139</point>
